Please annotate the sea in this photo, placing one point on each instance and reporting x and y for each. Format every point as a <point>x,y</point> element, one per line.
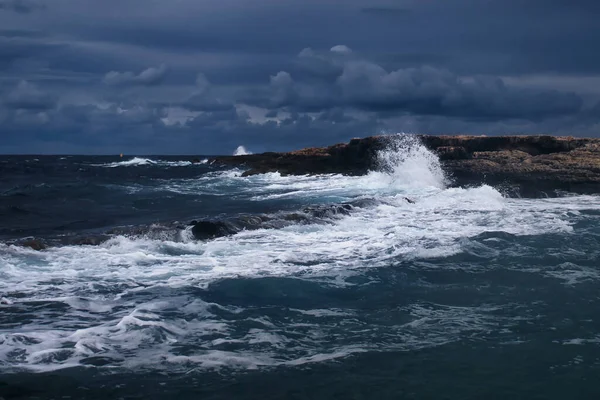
<point>397,284</point>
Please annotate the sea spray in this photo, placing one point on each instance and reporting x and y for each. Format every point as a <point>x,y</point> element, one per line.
<point>144,162</point>
<point>241,151</point>
<point>385,276</point>
<point>407,161</point>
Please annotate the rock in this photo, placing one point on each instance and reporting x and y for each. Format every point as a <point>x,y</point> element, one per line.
<point>319,214</point>
<point>530,163</point>
<point>204,230</point>
<point>452,153</point>
<point>90,240</point>
<point>35,244</point>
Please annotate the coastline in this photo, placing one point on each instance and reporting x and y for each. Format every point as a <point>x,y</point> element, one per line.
<point>529,166</point>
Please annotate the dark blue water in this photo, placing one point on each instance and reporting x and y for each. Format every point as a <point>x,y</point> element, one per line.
<point>105,292</point>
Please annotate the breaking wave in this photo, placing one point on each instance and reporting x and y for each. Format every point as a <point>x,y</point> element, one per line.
<point>268,291</point>
<point>241,151</point>
<point>138,161</point>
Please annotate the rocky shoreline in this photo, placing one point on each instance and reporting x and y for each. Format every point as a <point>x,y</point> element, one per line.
<point>530,166</point>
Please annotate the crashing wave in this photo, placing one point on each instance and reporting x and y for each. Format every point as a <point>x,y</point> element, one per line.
<point>406,161</point>
<point>142,294</point>
<point>138,161</point>
<point>241,151</point>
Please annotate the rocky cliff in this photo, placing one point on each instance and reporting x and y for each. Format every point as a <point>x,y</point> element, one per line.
<point>529,165</point>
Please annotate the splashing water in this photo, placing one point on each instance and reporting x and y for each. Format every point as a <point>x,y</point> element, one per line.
<point>277,296</point>
<point>139,162</point>
<point>407,162</point>
<point>241,151</point>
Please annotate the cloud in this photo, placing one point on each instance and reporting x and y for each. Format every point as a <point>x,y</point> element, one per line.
<point>91,129</point>
<point>367,86</point>
<point>84,129</point>
<point>340,48</point>
<point>20,6</point>
<point>204,99</point>
<point>26,96</point>
<point>200,102</point>
<point>202,82</point>
<point>148,77</point>
<point>431,66</point>
<point>386,11</point>
<point>431,91</point>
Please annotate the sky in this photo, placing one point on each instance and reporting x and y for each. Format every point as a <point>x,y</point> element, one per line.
<point>205,76</point>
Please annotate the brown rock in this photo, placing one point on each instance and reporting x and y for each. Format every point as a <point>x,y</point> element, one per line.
<point>452,153</point>
<point>532,162</point>
<point>35,244</point>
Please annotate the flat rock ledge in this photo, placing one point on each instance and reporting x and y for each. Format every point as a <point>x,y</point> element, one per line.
<point>521,165</point>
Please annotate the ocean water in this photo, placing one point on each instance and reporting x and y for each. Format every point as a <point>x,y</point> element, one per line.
<point>390,285</point>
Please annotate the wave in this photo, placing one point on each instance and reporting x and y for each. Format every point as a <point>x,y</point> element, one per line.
<point>407,162</point>
<point>161,298</point>
<point>220,337</point>
<point>433,226</point>
<point>405,166</point>
<point>138,161</point>
<point>241,151</point>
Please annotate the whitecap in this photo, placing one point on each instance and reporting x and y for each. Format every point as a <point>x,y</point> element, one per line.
<point>241,151</point>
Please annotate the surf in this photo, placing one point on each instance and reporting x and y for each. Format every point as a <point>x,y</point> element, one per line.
<point>165,298</point>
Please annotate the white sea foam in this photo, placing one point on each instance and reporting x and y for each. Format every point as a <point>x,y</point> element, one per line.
<point>112,292</point>
<point>139,161</point>
<point>241,151</point>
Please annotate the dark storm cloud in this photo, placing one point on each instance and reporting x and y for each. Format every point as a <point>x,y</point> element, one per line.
<point>20,33</point>
<point>20,6</point>
<point>84,129</point>
<point>352,82</point>
<point>199,102</point>
<point>203,98</point>
<point>386,11</point>
<point>18,44</point>
<point>95,130</point>
<point>149,76</point>
<point>26,96</point>
<point>430,91</point>
<point>226,130</point>
<point>92,76</point>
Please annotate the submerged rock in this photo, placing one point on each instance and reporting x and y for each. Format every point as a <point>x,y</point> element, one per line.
<point>204,230</point>
<point>35,244</point>
<point>321,214</point>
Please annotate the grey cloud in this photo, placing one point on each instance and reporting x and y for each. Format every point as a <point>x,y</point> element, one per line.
<point>21,6</point>
<point>20,33</point>
<point>318,65</point>
<point>84,128</point>
<point>149,76</point>
<point>271,114</point>
<point>204,99</point>
<point>425,90</point>
<point>295,131</point>
<point>18,45</point>
<point>433,66</point>
<point>90,129</point>
<point>27,96</point>
<point>469,36</point>
<point>340,48</point>
<point>432,91</point>
<point>202,82</point>
<point>200,102</point>
<point>386,11</point>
